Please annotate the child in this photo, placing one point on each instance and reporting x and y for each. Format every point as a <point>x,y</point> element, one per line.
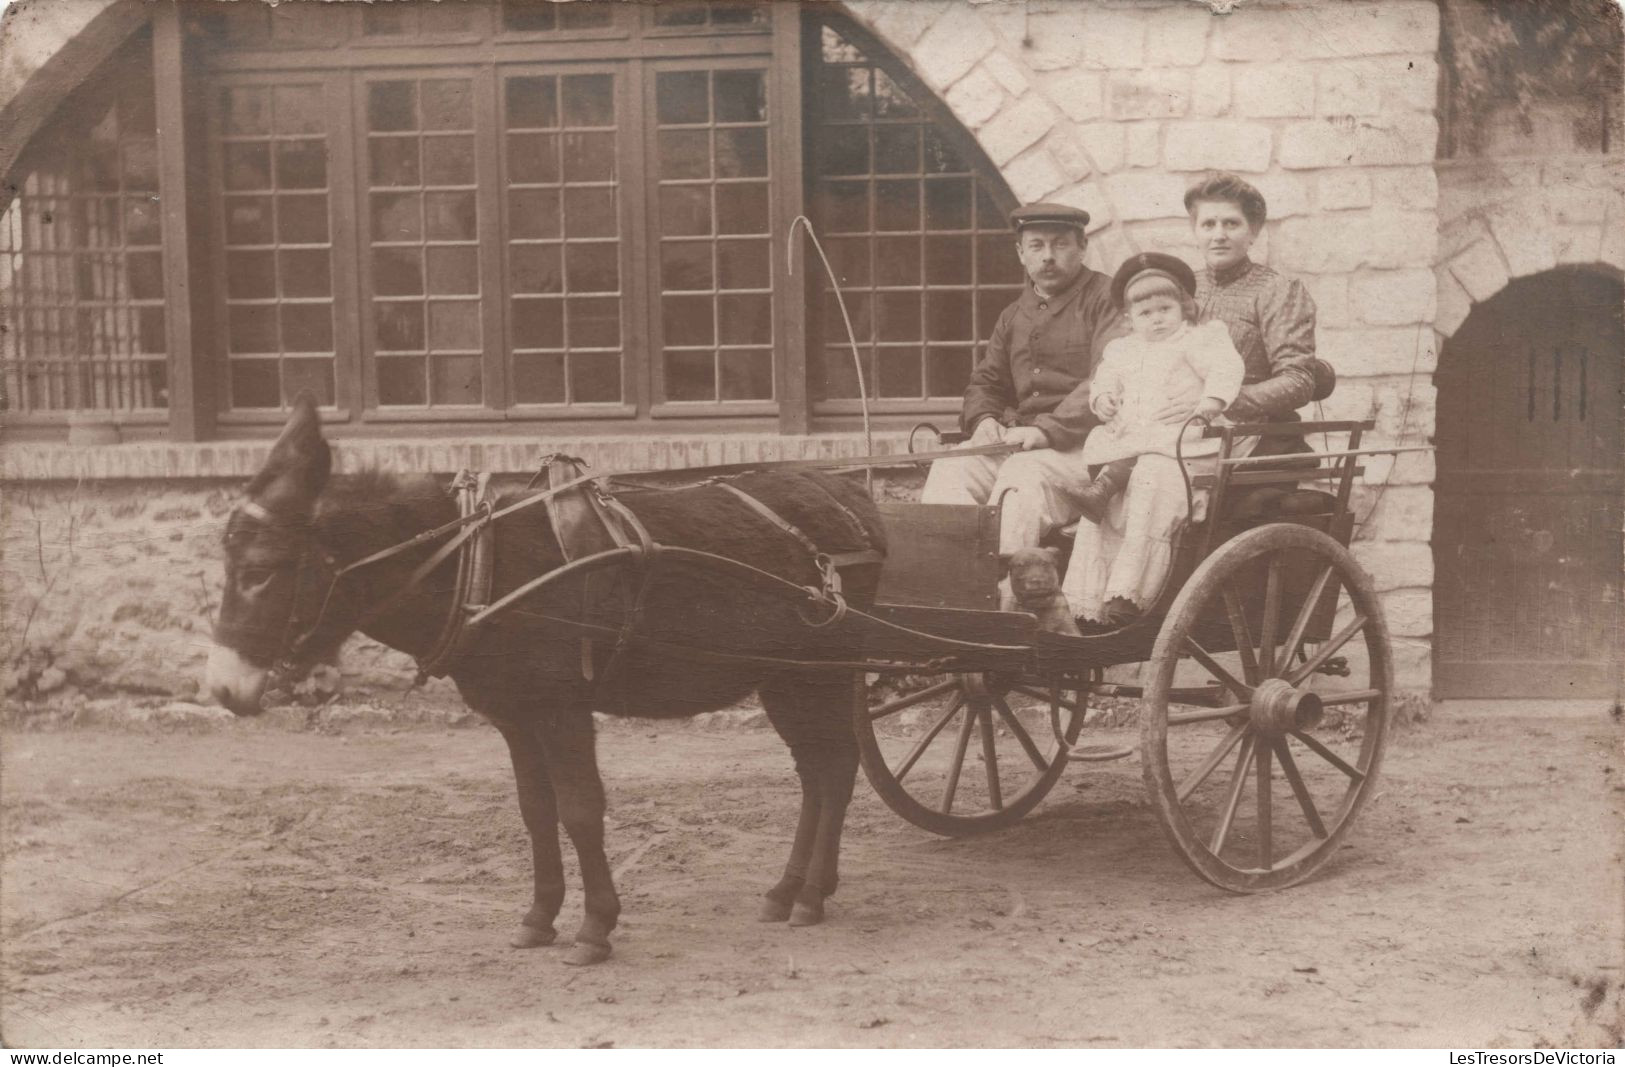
<point>1150,382</point>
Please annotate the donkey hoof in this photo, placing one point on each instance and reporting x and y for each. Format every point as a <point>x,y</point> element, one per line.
<point>773,911</point>
<point>585,954</point>
<point>804,914</point>
<point>533,936</point>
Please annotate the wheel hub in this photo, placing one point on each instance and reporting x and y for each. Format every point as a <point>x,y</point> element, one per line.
<point>1279,707</point>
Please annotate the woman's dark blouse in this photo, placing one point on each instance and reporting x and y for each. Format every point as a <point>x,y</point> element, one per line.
<point>1271,319</point>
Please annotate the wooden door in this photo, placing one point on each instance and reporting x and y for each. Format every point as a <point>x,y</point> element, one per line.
<point>1526,537</point>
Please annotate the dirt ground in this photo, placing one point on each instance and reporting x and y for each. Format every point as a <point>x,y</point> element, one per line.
<point>259,884</point>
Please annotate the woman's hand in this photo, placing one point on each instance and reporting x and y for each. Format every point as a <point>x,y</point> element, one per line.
<point>1176,413</point>
<point>1028,437</point>
<point>1105,405</point>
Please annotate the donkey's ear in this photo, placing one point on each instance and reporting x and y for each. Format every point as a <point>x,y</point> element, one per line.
<point>297,469</point>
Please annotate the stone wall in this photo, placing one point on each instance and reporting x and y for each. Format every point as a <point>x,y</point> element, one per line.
<point>1116,106</point>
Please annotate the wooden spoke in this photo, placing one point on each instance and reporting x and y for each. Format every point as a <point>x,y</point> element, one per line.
<point>1183,718</point>
<point>1266,856</point>
<point>1289,769</point>
<point>1201,656</point>
<point>1021,733</point>
<point>990,756</point>
<point>1244,638</point>
<point>1329,649</point>
<point>1353,696</point>
<point>1232,800</point>
<point>1329,756</point>
<point>960,747</point>
<point>930,735</point>
<point>1301,623</point>
<point>1272,617</point>
<point>911,699</point>
<point>1214,758</point>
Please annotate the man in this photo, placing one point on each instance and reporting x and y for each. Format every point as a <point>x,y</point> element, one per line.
<point>1044,346</point>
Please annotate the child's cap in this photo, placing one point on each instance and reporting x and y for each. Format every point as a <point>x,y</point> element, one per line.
<point>1152,264</point>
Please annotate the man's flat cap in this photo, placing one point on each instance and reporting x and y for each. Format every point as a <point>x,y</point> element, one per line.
<point>1048,215</point>
<point>1156,263</point>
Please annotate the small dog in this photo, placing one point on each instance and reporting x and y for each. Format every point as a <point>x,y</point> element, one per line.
<point>1035,586</point>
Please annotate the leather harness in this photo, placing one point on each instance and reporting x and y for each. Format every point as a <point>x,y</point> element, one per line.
<point>586,518</point>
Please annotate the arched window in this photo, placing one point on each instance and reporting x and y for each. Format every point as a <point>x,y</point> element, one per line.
<point>81,262</point>
<point>529,211</point>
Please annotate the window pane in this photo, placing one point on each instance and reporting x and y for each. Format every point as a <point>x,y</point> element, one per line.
<point>533,158</point>
<point>454,271</point>
<point>589,212</point>
<point>680,13</point>
<point>248,166</point>
<point>741,153</point>
<point>746,375</point>
<point>397,271</point>
<point>948,317</point>
<point>682,97</point>
<point>246,111</point>
<point>396,217</point>
<point>890,100</point>
<point>448,104</point>
<point>400,381</point>
<point>394,160</point>
<point>301,164</point>
<point>456,380</point>
<point>255,384</point>
<point>685,265</point>
<point>532,102</point>
<point>529,16</point>
<point>454,325</point>
<point>897,150</point>
<point>897,205</point>
<point>392,106</point>
<point>899,316</point>
<point>250,275</point>
<point>947,371</point>
<point>595,378</point>
<point>445,18</point>
<point>308,375</point>
<point>538,323</point>
<point>899,372</point>
<point>399,326</point>
<point>533,213</point>
<point>685,210</point>
<point>741,96</point>
<point>690,376</point>
<point>300,109</point>
<point>687,320</point>
<point>742,208</point>
<point>592,268</point>
<point>744,265</point>
<point>252,328</point>
<point>538,379</point>
<point>535,269</point>
<point>584,16</point>
<point>451,216</point>
<point>304,272</point>
<point>589,157</point>
<point>595,322</point>
<point>588,99</point>
<point>897,261</point>
<point>843,94</point>
<point>843,155</point>
<point>745,319</point>
<point>448,160</point>
<point>307,327</point>
<point>843,207</point>
<point>685,154</point>
<point>947,260</point>
<point>302,219</point>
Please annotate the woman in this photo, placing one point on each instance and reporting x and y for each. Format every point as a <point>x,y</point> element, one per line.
<point>1118,564</point>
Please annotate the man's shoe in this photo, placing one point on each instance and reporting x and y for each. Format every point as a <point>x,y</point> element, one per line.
<point>1095,498</point>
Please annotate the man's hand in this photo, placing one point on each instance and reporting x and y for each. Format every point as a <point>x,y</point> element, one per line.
<point>988,431</point>
<point>1028,437</point>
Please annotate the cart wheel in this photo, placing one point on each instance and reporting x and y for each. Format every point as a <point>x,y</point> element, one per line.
<point>918,752</point>
<point>1260,594</point>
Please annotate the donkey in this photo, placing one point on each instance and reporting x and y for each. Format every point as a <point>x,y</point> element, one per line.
<point>539,682</point>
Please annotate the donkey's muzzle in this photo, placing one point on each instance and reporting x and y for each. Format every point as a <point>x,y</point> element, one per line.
<point>234,682</point>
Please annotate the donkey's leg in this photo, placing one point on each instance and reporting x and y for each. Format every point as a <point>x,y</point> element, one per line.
<point>572,761</point>
<point>540,812</point>
<point>812,719</point>
<point>781,707</point>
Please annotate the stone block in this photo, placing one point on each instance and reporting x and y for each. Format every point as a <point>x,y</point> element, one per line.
<point>1104,141</point>
<point>1461,235</point>
<point>1347,88</point>
<point>1079,93</point>
<point>1577,244</point>
<point>1409,611</point>
<point>1525,239</point>
<point>1108,249</point>
<point>1369,351</point>
<point>1344,141</point>
<point>1148,195</point>
<point>1069,156</point>
<point>1017,128</point>
<point>975,98</point>
<point>1337,31</point>
<point>900,25</point>
<point>1331,295</point>
<point>1210,91</point>
<point>1287,194</point>
<point>1092,199</point>
<point>1352,399</point>
<point>1113,40</point>
<point>1413,674</point>
<point>1321,244</point>
<point>1217,145</point>
<point>1007,71</point>
<point>1054,41</point>
<point>952,45</point>
<point>1341,190</point>
<point>1274,90</point>
<point>1480,270</point>
<point>1408,468</point>
<point>1399,513</point>
<point>1396,564</point>
<point>1407,407</point>
<point>1258,35</point>
<point>1402,238</point>
<point>1178,37</point>
<point>1144,140</point>
<point>1576,204</point>
<point>1148,94</point>
<point>1395,298</point>
<point>1167,236</point>
<point>1407,188</point>
<point>1033,176</point>
<point>1454,303</point>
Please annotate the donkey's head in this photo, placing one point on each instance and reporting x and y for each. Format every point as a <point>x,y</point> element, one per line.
<point>277,574</point>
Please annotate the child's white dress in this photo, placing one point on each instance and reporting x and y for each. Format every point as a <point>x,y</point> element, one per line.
<point>1128,554</point>
<point>1146,376</point>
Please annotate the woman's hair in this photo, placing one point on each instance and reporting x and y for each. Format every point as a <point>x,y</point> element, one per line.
<point>1229,189</point>
<point>1159,285</point>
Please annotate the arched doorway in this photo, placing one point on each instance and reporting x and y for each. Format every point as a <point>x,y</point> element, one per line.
<point>1526,536</point>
